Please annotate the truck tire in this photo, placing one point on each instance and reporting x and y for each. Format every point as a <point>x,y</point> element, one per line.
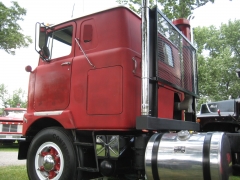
<point>51,155</point>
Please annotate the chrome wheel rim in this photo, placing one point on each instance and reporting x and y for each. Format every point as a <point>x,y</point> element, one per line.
<point>49,162</point>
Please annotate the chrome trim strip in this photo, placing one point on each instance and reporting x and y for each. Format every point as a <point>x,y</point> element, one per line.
<point>11,137</point>
<point>48,113</point>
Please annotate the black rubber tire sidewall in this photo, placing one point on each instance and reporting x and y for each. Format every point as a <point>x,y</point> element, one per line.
<point>60,137</point>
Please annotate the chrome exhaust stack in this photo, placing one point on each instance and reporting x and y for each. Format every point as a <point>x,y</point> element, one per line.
<point>145,58</point>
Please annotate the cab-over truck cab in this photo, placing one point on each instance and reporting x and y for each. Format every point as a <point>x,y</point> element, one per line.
<point>114,95</point>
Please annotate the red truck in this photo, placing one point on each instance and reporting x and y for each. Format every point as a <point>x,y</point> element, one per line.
<point>113,95</point>
<point>11,122</point>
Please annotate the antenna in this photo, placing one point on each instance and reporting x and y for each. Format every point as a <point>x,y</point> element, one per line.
<point>73,10</point>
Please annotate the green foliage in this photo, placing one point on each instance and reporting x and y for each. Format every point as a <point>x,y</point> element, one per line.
<point>218,59</point>
<point>173,9</point>
<point>11,37</point>
<point>3,95</point>
<point>17,98</point>
<point>13,172</point>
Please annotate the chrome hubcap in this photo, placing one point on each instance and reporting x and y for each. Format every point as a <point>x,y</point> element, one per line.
<point>48,163</point>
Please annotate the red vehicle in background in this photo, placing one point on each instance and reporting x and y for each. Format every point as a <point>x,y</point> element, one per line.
<point>11,125</point>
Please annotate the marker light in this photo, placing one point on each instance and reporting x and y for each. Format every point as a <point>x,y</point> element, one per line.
<point>28,68</point>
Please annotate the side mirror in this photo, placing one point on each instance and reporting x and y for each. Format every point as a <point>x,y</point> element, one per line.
<point>40,41</point>
<point>42,37</point>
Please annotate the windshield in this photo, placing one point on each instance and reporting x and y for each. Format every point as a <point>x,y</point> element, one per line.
<point>14,113</point>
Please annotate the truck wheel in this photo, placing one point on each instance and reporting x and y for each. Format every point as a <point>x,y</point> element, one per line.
<point>51,155</point>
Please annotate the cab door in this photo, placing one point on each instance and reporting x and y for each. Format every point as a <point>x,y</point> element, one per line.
<point>53,77</point>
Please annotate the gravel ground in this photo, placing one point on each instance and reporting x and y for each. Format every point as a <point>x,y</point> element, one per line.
<point>10,159</point>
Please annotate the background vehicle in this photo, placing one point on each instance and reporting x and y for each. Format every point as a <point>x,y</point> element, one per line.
<point>109,98</point>
<point>220,116</point>
<point>11,122</point>
<point>223,116</point>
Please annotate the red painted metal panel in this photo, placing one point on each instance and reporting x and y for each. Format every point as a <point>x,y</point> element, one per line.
<point>117,35</point>
<point>15,109</point>
<point>165,103</point>
<point>52,87</point>
<point>10,133</point>
<point>52,83</point>
<point>65,118</point>
<point>31,90</point>
<point>119,117</point>
<point>87,34</point>
<point>104,91</point>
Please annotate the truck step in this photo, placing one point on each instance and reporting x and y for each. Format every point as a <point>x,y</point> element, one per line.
<point>88,169</point>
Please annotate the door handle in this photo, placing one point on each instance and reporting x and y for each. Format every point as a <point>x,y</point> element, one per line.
<point>65,63</point>
<point>135,65</point>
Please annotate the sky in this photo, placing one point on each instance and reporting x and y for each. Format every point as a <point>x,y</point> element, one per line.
<point>12,68</point>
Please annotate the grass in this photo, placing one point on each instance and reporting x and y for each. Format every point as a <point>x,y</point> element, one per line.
<point>234,178</point>
<point>20,173</point>
<point>13,172</point>
<point>9,147</point>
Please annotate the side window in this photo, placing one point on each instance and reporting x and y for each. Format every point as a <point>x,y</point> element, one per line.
<point>204,109</point>
<point>60,42</point>
<point>213,107</point>
<point>168,54</point>
<point>165,52</point>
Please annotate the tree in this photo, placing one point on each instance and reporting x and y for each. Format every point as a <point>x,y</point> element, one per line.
<point>173,9</point>
<point>17,99</point>
<point>11,37</point>
<point>218,59</point>
<point>3,95</point>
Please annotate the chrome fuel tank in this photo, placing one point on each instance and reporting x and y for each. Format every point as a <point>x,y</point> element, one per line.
<point>198,156</point>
